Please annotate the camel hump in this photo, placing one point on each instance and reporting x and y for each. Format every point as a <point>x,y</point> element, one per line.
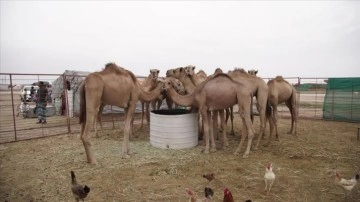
<point>112,68</point>
<point>240,70</point>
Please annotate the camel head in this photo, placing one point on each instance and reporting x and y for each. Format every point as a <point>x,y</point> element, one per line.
<point>154,73</point>
<point>218,70</point>
<point>252,72</point>
<point>190,70</point>
<point>169,82</point>
<point>176,73</point>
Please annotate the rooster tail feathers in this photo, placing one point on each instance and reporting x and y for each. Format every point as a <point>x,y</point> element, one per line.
<point>73,178</point>
<point>86,189</point>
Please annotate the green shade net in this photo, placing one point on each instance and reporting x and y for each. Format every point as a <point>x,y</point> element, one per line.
<point>342,100</point>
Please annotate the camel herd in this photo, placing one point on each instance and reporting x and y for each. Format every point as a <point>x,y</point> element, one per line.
<point>211,96</point>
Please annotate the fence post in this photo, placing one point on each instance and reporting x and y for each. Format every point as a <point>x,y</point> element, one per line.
<point>13,108</point>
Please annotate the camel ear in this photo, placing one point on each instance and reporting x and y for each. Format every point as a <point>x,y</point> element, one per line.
<point>181,69</point>
<point>193,67</point>
<point>256,71</point>
<point>158,71</point>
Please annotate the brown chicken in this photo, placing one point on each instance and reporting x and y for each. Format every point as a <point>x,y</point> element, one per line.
<point>209,176</point>
<point>79,191</point>
<point>228,196</point>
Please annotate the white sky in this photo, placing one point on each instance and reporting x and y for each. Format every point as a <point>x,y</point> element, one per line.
<point>296,38</point>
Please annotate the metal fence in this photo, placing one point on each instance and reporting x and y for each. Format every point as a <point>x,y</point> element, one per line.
<point>19,123</point>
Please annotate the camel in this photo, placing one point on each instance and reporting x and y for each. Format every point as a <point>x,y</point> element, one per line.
<point>259,89</point>
<point>148,84</point>
<point>282,91</point>
<point>179,87</point>
<point>198,78</point>
<point>180,73</point>
<point>208,97</point>
<point>113,85</point>
<point>252,72</point>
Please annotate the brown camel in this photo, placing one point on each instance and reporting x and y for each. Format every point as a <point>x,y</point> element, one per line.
<point>113,86</point>
<point>148,84</point>
<point>208,97</point>
<point>282,91</point>
<point>259,89</point>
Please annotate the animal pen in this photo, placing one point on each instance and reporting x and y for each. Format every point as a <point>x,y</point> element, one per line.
<point>39,170</point>
<point>311,92</point>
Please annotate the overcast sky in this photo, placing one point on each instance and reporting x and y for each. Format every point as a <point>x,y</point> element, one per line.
<point>289,38</point>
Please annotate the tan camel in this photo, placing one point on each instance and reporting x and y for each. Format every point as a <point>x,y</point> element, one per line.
<point>282,91</point>
<point>208,97</point>
<point>259,89</point>
<point>148,84</point>
<point>198,78</point>
<point>252,72</point>
<point>180,73</point>
<point>113,86</point>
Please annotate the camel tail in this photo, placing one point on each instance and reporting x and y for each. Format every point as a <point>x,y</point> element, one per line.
<point>82,117</point>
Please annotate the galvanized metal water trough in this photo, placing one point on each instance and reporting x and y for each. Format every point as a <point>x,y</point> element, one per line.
<point>174,129</point>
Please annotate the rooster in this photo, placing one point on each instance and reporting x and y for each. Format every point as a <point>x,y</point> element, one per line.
<point>347,185</point>
<point>228,196</point>
<point>269,178</point>
<point>79,191</point>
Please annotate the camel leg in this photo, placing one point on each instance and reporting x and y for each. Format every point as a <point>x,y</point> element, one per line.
<point>211,132</point>
<point>243,136</point>
<point>147,111</point>
<point>159,102</point>
<point>215,123</point>
<point>250,133</point>
<point>223,125</point>
<point>169,102</point>
<point>142,114</point>
<point>85,137</point>
<point>272,126</point>
<point>275,115</point>
<point>99,120</point>
<point>200,127</point>
<point>206,129</point>
<point>293,113</point>
<point>127,130</point>
<point>262,99</point>
<point>232,120</point>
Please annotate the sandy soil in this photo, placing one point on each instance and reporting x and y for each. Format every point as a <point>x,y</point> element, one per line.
<point>39,170</point>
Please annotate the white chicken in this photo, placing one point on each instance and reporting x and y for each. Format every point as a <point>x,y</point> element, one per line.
<point>269,178</point>
<point>347,185</point>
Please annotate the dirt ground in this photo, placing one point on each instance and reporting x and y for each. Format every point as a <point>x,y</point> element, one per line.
<point>39,169</point>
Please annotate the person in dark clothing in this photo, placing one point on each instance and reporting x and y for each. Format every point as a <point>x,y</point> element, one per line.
<point>41,102</point>
<point>32,93</point>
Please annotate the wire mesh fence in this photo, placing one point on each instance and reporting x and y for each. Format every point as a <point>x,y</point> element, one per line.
<point>18,120</point>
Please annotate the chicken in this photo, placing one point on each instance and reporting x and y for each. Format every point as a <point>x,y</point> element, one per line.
<point>193,198</point>
<point>347,185</point>
<point>79,191</point>
<point>209,176</point>
<point>209,193</point>
<point>227,196</point>
<point>269,178</point>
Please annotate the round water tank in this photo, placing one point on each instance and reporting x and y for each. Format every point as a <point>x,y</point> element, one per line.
<point>175,129</point>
